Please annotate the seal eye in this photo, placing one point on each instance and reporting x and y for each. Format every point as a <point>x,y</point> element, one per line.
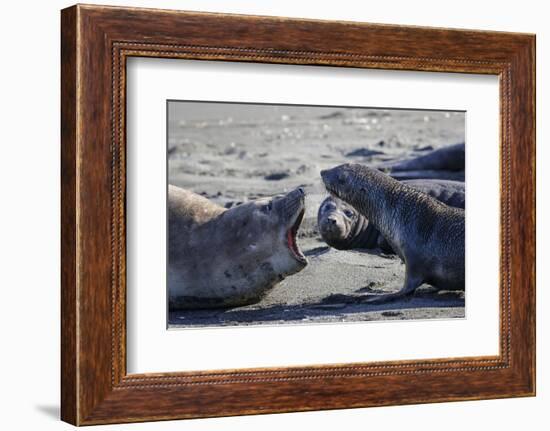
<point>349,213</point>
<point>267,207</point>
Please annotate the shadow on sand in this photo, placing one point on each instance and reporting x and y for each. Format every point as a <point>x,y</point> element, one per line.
<point>335,307</point>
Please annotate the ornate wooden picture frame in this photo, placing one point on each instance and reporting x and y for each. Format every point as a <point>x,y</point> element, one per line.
<point>96,42</point>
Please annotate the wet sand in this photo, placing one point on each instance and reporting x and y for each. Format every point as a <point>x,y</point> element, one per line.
<point>234,153</point>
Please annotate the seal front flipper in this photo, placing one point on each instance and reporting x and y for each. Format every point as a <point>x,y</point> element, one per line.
<point>426,234</point>
<point>411,283</point>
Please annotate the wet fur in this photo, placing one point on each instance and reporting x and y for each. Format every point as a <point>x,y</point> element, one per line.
<point>425,233</point>
<point>343,231</point>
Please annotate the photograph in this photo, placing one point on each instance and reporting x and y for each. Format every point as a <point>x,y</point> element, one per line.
<point>296,214</point>
<point>263,212</point>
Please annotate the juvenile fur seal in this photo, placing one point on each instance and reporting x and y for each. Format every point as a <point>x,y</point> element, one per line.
<point>221,257</point>
<point>426,234</point>
<point>344,228</point>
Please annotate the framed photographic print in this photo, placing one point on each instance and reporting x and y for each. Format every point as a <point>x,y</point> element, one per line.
<point>264,214</point>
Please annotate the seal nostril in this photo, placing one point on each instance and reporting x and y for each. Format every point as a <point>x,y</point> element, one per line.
<point>332,221</point>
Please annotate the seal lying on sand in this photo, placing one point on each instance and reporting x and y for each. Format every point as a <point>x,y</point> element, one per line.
<point>221,257</point>
<point>344,228</point>
<point>444,163</point>
<point>426,234</point>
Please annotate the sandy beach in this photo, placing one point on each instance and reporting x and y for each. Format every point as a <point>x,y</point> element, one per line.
<point>233,153</point>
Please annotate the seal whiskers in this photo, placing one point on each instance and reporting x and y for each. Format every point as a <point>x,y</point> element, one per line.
<point>425,233</point>
<point>344,228</point>
<point>221,257</point>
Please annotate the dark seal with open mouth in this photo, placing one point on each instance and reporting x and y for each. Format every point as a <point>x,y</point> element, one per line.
<point>344,228</point>
<point>426,234</point>
<point>221,257</point>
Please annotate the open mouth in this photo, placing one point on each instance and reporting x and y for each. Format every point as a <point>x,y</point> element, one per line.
<point>291,238</point>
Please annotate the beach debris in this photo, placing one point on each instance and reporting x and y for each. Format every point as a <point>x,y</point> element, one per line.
<point>302,169</point>
<point>231,149</point>
<point>276,176</point>
<point>363,152</point>
<point>332,115</point>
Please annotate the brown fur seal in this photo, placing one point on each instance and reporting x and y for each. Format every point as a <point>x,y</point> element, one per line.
<point>344,228</point>
<point>425,233</point>
<point>221,257</point>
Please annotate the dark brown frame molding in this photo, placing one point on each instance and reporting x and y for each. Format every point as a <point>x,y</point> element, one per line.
<point>95,43</point>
